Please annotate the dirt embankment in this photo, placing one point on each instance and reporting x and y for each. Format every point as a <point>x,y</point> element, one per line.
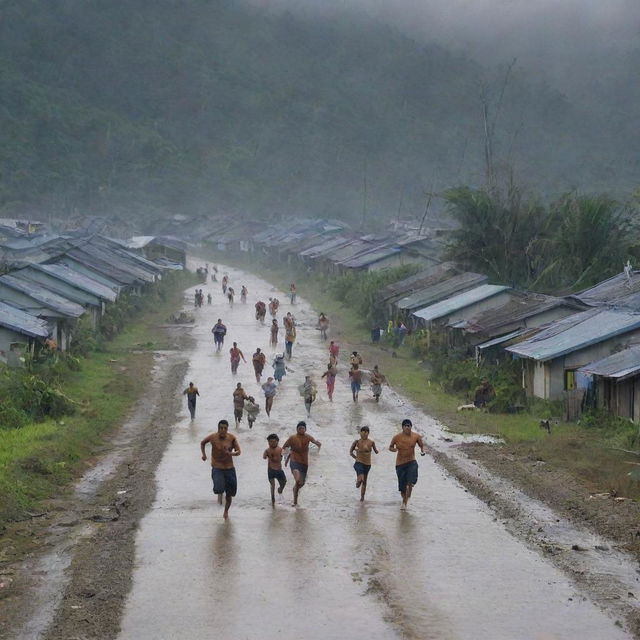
<point>95,526</point>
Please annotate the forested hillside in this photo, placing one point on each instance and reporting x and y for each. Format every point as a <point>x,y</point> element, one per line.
<point>141,108</point>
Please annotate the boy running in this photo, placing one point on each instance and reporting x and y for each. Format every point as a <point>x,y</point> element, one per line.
<point>361,452</point>
<point>404,444</point>
<point>273,453</point>
<point>298,445</point>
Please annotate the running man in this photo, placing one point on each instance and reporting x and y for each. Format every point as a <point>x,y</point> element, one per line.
<point>225,280</point>
<point>234,355</point>
<point>258,359</point>
<point>279,367</point>
<point>323,325</point>
<point>289,339</point>
<point>261,311</point>
<point>377,380</point>
<point>219,331</point>
<point>334,350</point>
<point>243,294</point>
<point>253,409</point>
<point>361,452</point>
<point>292,293</point>
<point>191,392</point>
<point>273,453</point>
<point>239,396</point>
<point>355,358</point>
<point>298,458</point>
<point>230,294</point>
<point>356,381</point>
<point>308,392</point>
<point>404,444</point>
<point>270,389</point>
<point>223,447</point>
<point>330,375</point>
<point>274,332</point>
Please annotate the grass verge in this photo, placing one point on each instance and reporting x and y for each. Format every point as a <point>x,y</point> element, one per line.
<point>591,455</point>
<point>39,460</point>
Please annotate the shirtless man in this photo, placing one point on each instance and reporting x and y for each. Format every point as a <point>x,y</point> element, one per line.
<point>239,396</point>
<point>404,444</point>
<point>274,333</point>
<point>258,359</point>
<point>355,375</point>
<point>361,452</point>
<point>234,355</point>
<point>334,350</point>
<point>223,446</point>
<point>261,311</point>
<point>191,392</point>
<point>377,380</point>
<point>273,453</point>
<point>298,458</point>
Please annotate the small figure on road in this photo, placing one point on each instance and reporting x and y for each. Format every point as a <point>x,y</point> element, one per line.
<point>361,452</point>
<point>274,303</point>
<point>330,375</point>
<point>243,294</point>
<point>261,311</point>
<point>323,325</point>
<point>274,333</point>
<point>334,350</point>
<point>225,281</point>
<point>258,359</point>
<point>209,298</point>
<point>270,390</point>
<point>293,293</point>
<point>279,367</point>
<point>308,392</point>
<point>234,355</point>
<point>273,453</point>
<point>377,380</point>
<point>253,409</point>
<point>230,294</point>
<point>219,331</point>
<point>191,392</point>
<point>298,458</point>
<point>289,339</point>
<point>239,396</point>
<point>404,445</point>
<point>223,447</point>
<point>355,375</point>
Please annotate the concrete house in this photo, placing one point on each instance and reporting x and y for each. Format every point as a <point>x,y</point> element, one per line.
<point>552,357</point>
<point>19,333</point>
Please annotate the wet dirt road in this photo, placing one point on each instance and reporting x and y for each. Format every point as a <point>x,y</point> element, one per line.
<point>333,567</point>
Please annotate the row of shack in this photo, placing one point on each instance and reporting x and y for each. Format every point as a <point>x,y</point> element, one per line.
<point>50,283</point>
<point>580,347</point>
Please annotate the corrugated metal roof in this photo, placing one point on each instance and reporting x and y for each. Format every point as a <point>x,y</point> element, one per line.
<point>502,339</point>
<point>138,242</point>
<point>610,289</point>
<point>327,250</point>
<point>441,289</point>
<point>44,296</point>
<point>460,301</point>
<point>576,332</point>
<point>56,285</point>
<point>419,281</point>
<point>77,279</point>
<point>351,250</point>
<point>370,257</point>
<point>22,322</point>
<point>119,261</point>
<point>322,244</point>
<point>121,276</point>
<point>618,365</point>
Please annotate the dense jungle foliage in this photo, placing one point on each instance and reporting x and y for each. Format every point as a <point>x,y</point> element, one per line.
<point>136,109</point>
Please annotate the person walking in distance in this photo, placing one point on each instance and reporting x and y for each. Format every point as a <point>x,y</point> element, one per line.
<point>224,446</point>
<point>334,350</point>
<point>404,444</point>
<point>234,356</point>
<point>270,389</point>
<point>298,458</point>
<point>273,455</point>
<point>243,294</point>
<point>274,333</point>
<point>191,392</point>
<point>323,325</point>
<point>361,452</point>
<point>258,359</point>
<point>290,338</point>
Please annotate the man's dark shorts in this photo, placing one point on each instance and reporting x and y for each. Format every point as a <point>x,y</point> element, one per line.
<point>298,466</point>
<point>277,474</point>
<point>407,474</point>
<point>224,481</point>
<point>237,414</point>
<point>361,468</point>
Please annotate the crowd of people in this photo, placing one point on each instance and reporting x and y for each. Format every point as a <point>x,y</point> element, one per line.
<point>294,451</point>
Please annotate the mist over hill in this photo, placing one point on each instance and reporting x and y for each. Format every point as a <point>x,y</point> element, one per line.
<point>140,109</point>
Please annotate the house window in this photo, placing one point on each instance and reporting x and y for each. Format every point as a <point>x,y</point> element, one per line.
<point>569,379</point>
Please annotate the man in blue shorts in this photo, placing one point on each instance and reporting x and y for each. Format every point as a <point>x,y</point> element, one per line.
<point>224,446</point>
<point>404,444</point>
<point>273,453</point>
<point>298,445</point>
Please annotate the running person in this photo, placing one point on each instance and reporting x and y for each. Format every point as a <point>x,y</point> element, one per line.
<point>279,367</point>
<point>330,375</point>
<point>356,381</point>
<point>289,339</point>
<point>223,446</point>
<point>239,396</point>
<point>270,389</point>
<point>243,294</point>
<point>377,380</point>
<point>253,409</point>
<point>225,281</point>
<point>273,453</point>
<point>191,392</point>
<point>293,293</point>
<point>230,294</point>
<point>274,332</point>
<point>334,350</point>
<point>361,452</point>
<point>298,458</point>
<point>404,444</point>
<point>308,392</point>
<point>258,359</point>
<point>234,355</point>
<point>261,311</point>
<point>323,325</point>
<point>219,331</point>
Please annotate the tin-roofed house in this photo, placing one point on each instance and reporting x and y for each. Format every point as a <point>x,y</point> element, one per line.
<point>617,382</point>
<point>165,250</point>
<point>552,357</point>
<point>19,334</point>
